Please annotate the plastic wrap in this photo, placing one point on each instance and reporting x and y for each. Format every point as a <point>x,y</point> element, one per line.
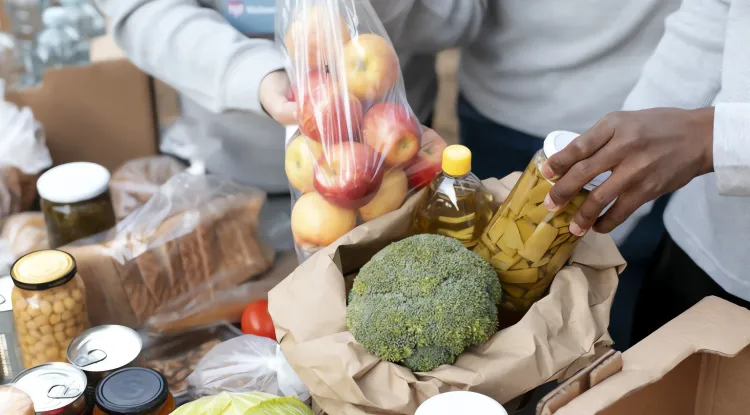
<point>196,237</point>
<point>246,364</point>
<point>25,233</point>
<point>23,155</point>
<point>136,181</point>
<point>357,134</point>
<point>14,401</point>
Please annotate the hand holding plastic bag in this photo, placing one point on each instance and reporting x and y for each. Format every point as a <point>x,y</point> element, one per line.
<point>245,364</point>
<point>359,151</point>
<point>254,403</point>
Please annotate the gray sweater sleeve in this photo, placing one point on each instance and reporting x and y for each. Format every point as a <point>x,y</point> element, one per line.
<point>429,26</point>
<point>194,50</point>
<point>686,68</point>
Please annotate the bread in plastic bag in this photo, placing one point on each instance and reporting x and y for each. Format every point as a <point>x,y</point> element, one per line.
<point>136,181</point>
<point>14,401</point>
<point>251,403</point>
<point>357,137</point>
<point>25,232</point>
<point>247,363</point>
<point>197,236</point>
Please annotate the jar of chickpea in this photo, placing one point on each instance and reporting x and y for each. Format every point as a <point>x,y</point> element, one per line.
<point>49,305</point>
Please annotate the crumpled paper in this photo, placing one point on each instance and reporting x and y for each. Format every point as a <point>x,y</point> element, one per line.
<point>560,334</point>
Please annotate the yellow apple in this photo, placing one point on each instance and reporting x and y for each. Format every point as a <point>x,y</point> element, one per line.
<point>299,162</point>
<point>316,222</point>
<point>389,197</point>
<point>371,66</point>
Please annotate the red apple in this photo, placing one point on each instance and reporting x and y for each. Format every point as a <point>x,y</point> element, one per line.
<point>326,113</point>
<point>371,66</point>
<point>348,174</point>
<point>428,162</point>
<point>315,38</point>
<point>393,131</point>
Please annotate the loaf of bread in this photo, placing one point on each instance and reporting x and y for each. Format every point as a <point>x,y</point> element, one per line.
<point>25,233</point>
<point>136,181</point>
<point>181,262</point>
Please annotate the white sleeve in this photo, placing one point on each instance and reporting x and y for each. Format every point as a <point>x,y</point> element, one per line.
<point>685,69</point>
<point>429,26</point>
<point>732,148</point>
<point>194,50</point>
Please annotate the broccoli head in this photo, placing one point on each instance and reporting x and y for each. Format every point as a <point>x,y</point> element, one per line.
<point>422,301</point>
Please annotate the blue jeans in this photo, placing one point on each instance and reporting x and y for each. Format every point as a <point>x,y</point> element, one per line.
<point>498,150</point>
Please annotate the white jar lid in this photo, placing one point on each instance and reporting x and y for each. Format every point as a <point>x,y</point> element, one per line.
<point>558,140</point>
<point>73,182</point>
<point>461,402</point>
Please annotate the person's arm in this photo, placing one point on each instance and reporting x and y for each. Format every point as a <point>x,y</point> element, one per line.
<point>429,26</point>
<point>685,69</point>
<point>194,50</point>
<point>731,148</point>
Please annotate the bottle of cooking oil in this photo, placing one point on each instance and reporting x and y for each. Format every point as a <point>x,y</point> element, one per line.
<point>456,204</point>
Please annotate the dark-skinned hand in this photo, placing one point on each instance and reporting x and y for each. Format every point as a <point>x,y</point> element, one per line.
<point>650,153</point>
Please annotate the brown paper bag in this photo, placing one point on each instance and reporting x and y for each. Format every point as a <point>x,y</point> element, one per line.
<point>560,333</point>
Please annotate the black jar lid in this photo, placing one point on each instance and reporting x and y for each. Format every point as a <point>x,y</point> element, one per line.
<point>42,270</point>
<point>132,391</point>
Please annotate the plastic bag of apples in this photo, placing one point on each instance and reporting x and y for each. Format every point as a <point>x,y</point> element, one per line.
<point>359,152</point>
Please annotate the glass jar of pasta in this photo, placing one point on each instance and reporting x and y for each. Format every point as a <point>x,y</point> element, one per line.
<point>526,243</point>
<point>49,305</point>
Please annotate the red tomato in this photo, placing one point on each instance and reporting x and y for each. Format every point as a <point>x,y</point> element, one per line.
<point>257,321</point>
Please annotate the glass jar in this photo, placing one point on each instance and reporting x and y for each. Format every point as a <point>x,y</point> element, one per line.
<point>526,243</point>
<point>456,203</point>
<point>49,306</point>
<point>75,201</point>
<point>134,391</point>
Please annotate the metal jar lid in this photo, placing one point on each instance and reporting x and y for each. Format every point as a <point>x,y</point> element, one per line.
<point>42,270</point>
<point>133,390</point>
<point>104,348</point>
<point>52,386</point>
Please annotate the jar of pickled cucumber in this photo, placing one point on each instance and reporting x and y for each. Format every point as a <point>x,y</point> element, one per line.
<point>76,202</point>
<point>49,306</point>
<point>526,243</point>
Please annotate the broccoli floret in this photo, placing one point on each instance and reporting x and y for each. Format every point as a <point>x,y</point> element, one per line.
<point>422,301</point>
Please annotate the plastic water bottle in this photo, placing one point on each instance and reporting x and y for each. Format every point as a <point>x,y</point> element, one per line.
<point>11,62</point>
<point>87,19</point>
<point>59,43</point>
<point>25,24</point>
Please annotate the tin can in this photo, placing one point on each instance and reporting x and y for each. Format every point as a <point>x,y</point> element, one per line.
<point>102,350</point>
<point>10,356</point>
<point>55,388</point>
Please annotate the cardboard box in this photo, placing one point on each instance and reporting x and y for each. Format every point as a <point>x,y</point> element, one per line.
<point>102,112</point>
<point>698,364</point>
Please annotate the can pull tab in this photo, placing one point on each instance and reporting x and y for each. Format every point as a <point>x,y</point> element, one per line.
<point>63,392</point>
<point>93,356</point>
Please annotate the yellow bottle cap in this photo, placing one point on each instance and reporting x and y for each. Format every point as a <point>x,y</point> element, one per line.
<point>456,160</point>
